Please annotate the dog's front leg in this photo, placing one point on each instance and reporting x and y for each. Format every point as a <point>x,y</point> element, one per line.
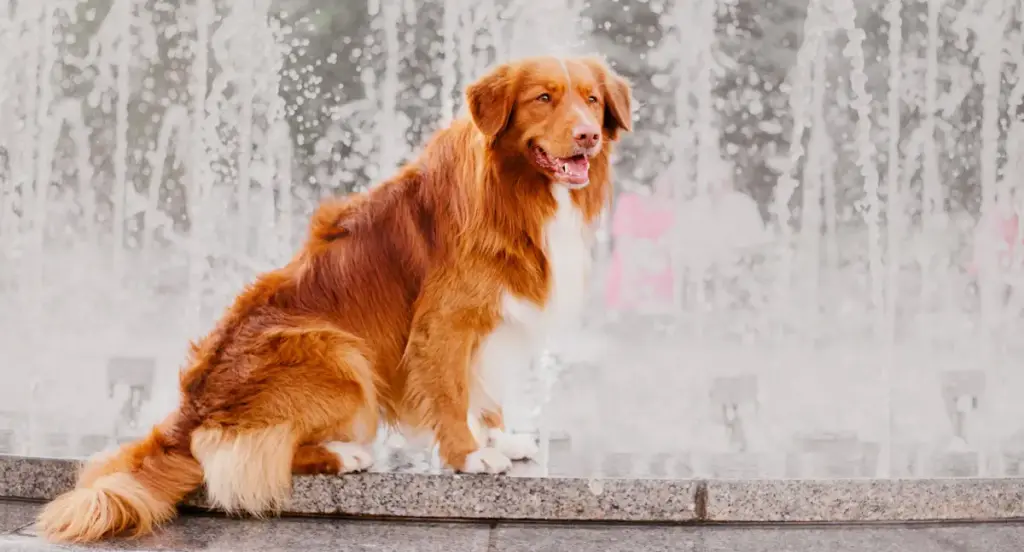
<point>437,363</point>
<point>499,358</point>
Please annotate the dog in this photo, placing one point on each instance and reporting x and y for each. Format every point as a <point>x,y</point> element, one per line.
<point>406,305</point>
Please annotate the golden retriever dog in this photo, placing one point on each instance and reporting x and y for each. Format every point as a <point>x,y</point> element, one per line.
<point>406,305</point>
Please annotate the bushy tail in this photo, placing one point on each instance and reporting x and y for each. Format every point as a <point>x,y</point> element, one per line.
<point>249,471</point>
<point>130,492</point>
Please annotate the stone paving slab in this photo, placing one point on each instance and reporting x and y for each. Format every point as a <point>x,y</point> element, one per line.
<point>215,534</point>
<point>15,515</point>
<point>196,533</point>
<point>836,538</point>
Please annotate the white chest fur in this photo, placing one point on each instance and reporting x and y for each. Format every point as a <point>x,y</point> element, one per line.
<point>507,352</point>
<point>568,256</point>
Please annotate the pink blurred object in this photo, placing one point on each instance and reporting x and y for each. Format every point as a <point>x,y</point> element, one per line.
<point>1000,233</point>
<point>640,220</point>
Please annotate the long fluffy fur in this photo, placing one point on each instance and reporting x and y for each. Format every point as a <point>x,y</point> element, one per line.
<point>379,315</point>
<point>131,491</point>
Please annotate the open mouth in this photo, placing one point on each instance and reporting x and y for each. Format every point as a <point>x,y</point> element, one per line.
<point>573,171</point>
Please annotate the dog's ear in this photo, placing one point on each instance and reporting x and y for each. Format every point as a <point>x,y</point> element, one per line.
<point>618,102</point>
<point>491,99</point>
<point>618,106</point>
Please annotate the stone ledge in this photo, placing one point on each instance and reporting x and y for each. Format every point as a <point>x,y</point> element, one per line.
<point>865,500</point>
<point>515,497</point>
<point>425,496</point>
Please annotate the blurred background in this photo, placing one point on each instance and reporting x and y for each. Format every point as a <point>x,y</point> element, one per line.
<point>810,268</point>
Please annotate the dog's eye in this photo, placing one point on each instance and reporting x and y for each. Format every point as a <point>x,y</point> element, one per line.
<point>544,98</point>
<point>592,99</point>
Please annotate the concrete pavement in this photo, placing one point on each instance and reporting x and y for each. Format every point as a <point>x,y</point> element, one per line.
<point>201,533</point>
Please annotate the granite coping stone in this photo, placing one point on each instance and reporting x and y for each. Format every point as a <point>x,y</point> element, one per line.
<point>865,500</point>
<point>569,499</point>
<point>412,495</point>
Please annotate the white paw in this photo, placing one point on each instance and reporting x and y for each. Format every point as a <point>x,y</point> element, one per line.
<point>516,447</point>
<point>353,457</point>
<point>487,460</point>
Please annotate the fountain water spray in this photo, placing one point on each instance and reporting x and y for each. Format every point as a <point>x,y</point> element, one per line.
<point>104,248</point>
<point>894,204</point>
<point>800,97</point>
<point>990,46</point>
<point>933,209</point>
<point>846,15</point>
<point>123,17</point>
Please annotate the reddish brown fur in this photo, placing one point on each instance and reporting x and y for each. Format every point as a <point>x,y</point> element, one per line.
<point>377,316</point>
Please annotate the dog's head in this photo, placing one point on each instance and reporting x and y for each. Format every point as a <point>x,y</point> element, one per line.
<point>556,113</point>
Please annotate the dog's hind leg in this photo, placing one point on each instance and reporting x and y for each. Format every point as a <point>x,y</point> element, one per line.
<point>348,448</point>
<point>312,391</point>
<point>332,457</point>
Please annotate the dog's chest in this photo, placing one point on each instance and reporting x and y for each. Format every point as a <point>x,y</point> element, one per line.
<point>568,257</point>
<point>526,327</point>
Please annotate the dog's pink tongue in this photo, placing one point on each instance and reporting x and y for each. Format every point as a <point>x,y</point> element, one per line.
<point>575,169</point>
